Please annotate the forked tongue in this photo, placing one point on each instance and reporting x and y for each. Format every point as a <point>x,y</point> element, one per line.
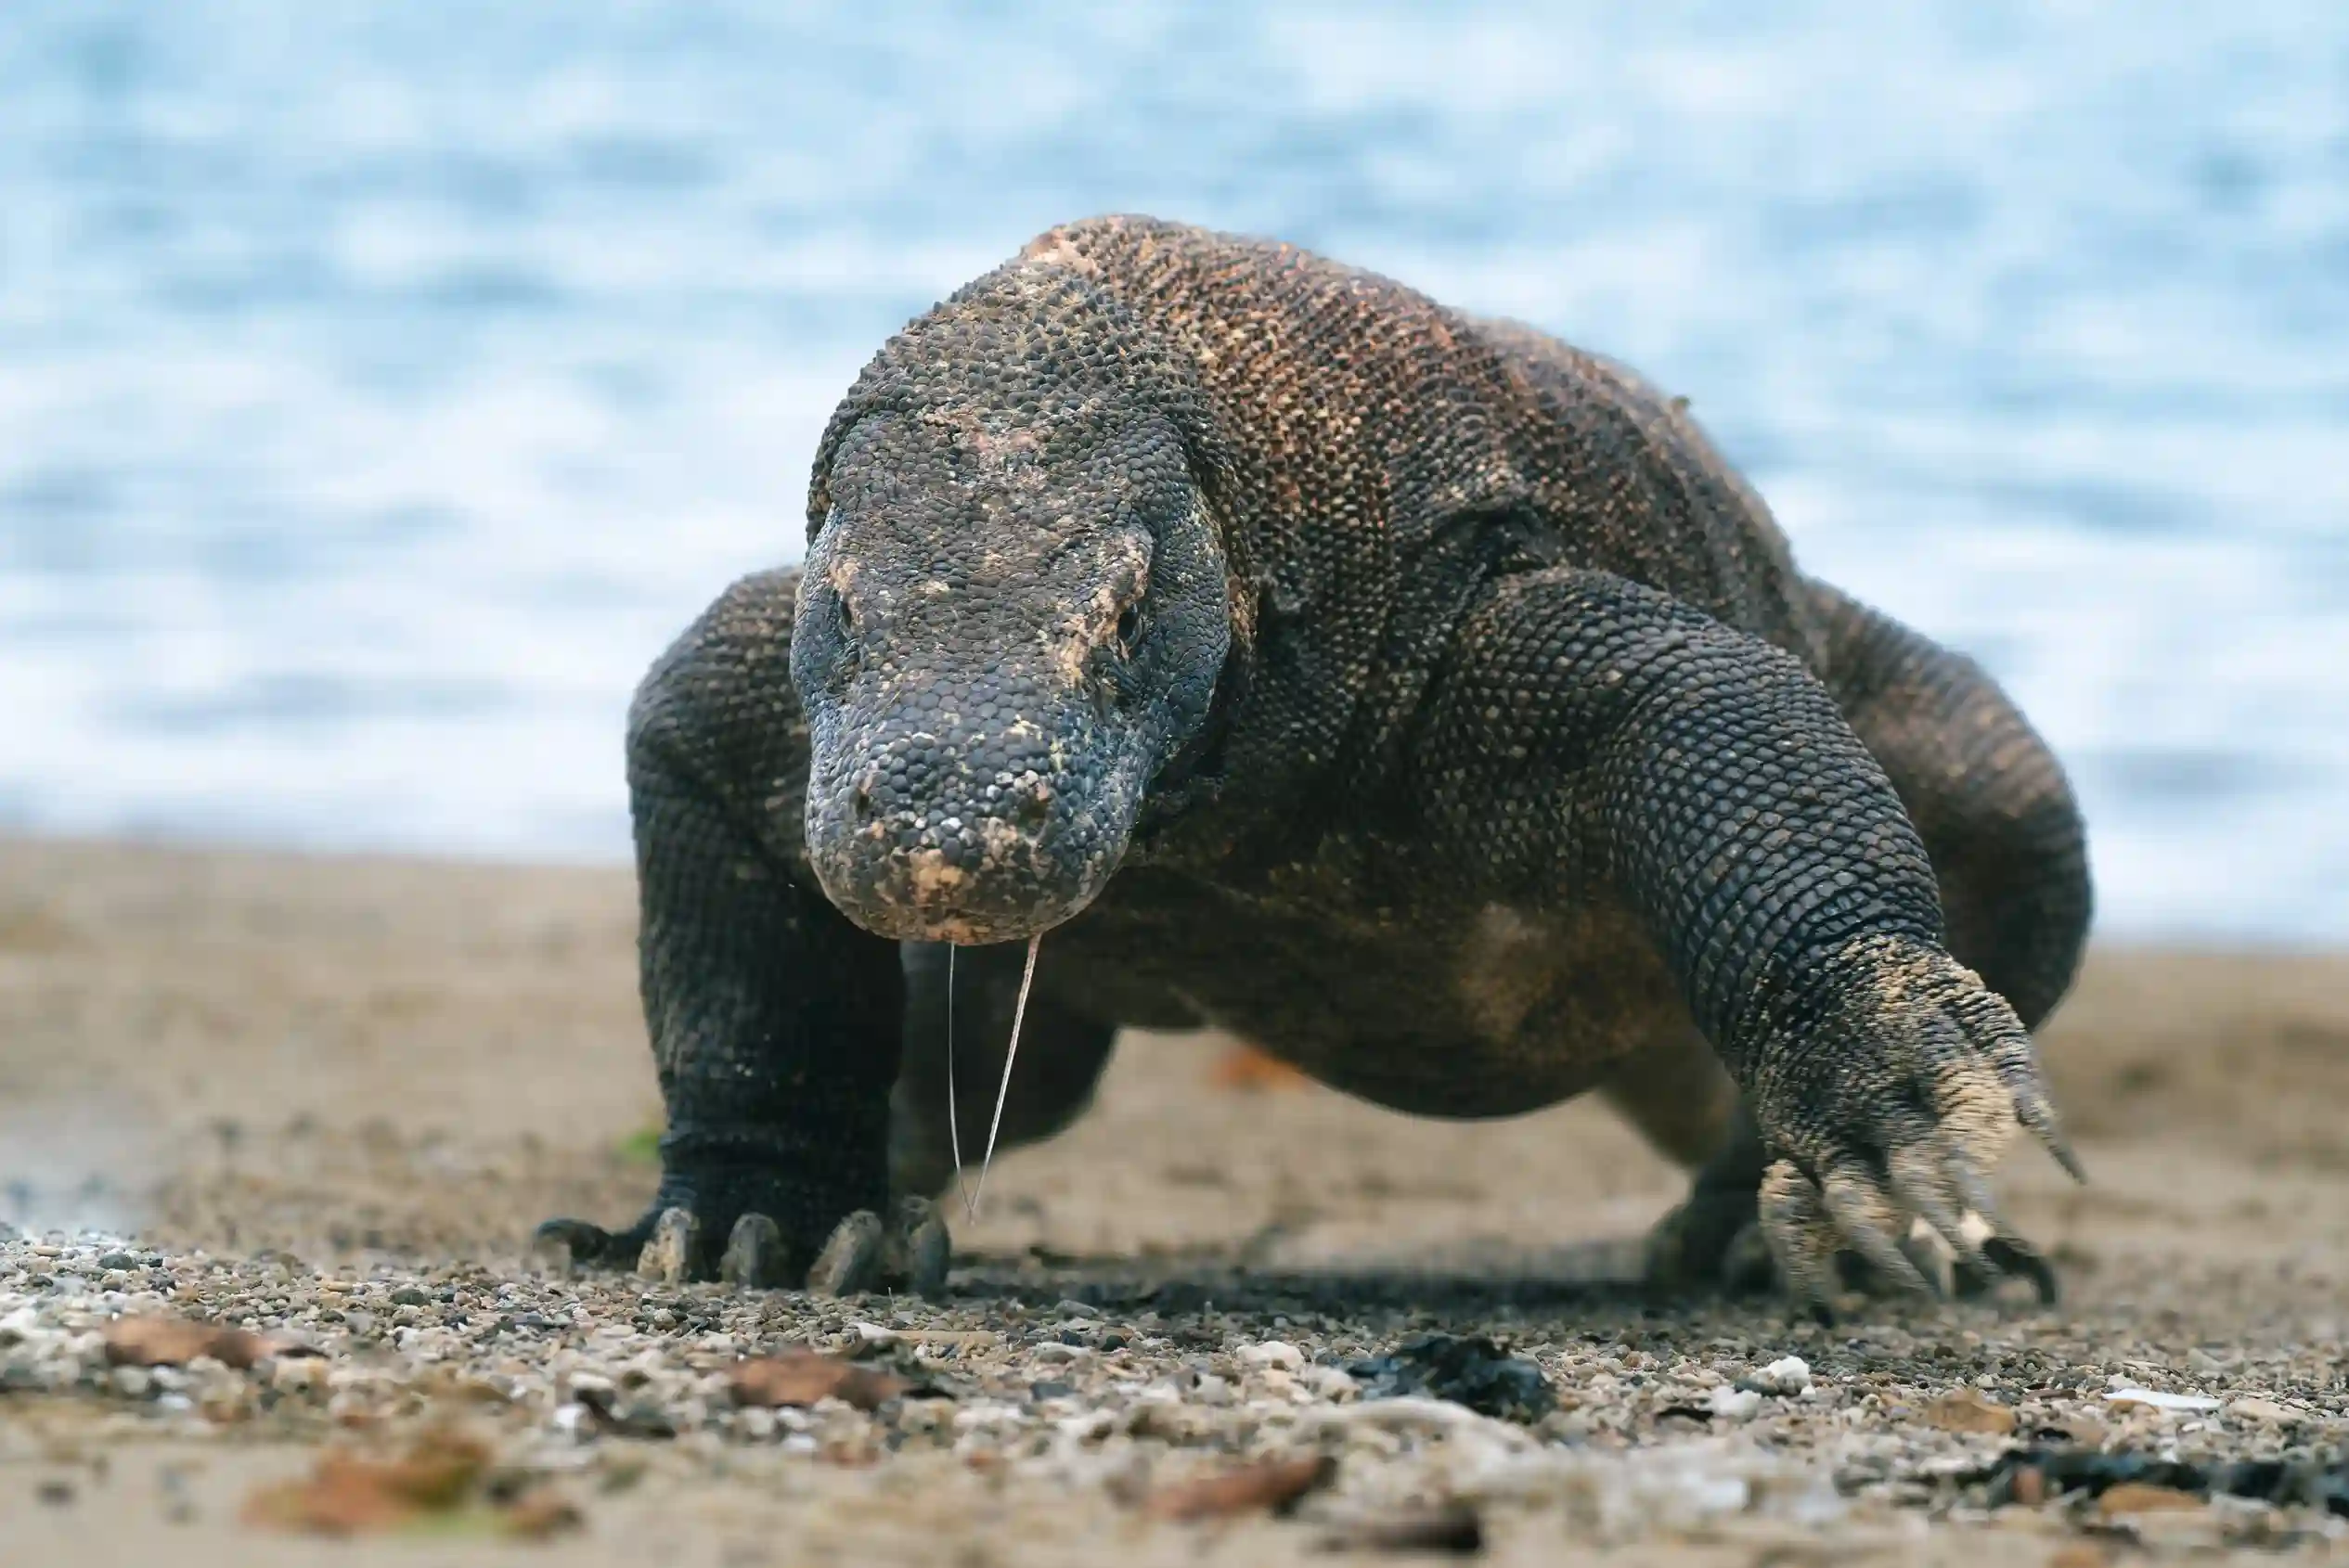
<point>954,1117</point>
<point>1003,1090</point>
<point>1011,1054</point>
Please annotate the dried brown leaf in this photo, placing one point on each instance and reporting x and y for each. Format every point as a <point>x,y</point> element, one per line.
<point>1245,1069</point>
<point>2134,1496</point>
<point>158,1341</point>
<point>1968,1410</point>
<point>346,1495</point>
<point>803,1377</point>
<point>1274,1484</point>
<point>540,1514</point>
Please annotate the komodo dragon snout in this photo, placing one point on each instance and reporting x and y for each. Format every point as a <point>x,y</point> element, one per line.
<point>1011,624</point>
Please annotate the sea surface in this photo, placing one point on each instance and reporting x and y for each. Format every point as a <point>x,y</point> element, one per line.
<point>382,383</point>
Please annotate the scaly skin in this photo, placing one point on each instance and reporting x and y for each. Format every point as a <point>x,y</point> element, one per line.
<point>1413,695</point>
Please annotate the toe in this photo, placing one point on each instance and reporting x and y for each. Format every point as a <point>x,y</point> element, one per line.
<point>1871,1224</point>
<point>2018,1259</point>
<point>850,1263</point>
<point>571,1242</point>
<point>668,1256</point>
<point>1803,1239</point>
<point>1746,1267</point>
<point>755,1254</point>
<point>918,1247</point>
<point>1690,1249</point>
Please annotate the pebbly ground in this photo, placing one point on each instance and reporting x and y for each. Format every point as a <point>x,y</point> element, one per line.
<point>324,1102</point>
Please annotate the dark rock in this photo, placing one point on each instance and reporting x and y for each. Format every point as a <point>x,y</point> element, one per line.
<point>1471,1371</point>
<point>1452,1530</point>
<point>639,1417</point>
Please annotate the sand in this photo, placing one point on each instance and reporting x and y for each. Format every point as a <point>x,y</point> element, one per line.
<point>327,1100</point>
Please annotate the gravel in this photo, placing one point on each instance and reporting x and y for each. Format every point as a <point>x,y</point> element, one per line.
<point>1662,1426</point>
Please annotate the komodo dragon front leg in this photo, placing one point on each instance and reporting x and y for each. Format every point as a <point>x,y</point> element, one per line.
<point>776,1024</point>
<point>1594,740</point>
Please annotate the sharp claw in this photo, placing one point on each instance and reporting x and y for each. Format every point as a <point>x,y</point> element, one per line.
<point>2051,1138</point>
<point>1973,1281</point>
<point>569,1242</point>
<point>1933,1257</point>
<point>668,1252</point>
<point>1918,1186</point>
<point>1868,1219</point>
<point>850,1262</point>
<point>2014,1255</point>
<point>753,1253</point>
<point>2037,1115</point>
<point>1802,1238</point>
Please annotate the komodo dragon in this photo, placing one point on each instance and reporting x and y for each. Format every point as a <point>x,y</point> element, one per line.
<point>1407,693</point>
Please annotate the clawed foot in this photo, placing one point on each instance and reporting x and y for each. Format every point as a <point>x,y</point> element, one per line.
<point>909,1252</point>
<point>1809,1252</point>
<point>1884,1116</point>
<point>1873,1128</point>
<point>1714,1244</point>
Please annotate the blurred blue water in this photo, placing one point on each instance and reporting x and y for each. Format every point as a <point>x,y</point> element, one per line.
<point>381,384</point>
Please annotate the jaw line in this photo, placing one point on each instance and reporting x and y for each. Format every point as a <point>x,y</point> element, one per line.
<point>959,932</point>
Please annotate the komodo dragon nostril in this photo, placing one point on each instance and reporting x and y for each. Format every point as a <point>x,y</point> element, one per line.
<point>860,800</point>
<point>1035,806</point>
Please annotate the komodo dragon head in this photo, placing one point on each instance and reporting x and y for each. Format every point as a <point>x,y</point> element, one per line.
<point>1015,610</point>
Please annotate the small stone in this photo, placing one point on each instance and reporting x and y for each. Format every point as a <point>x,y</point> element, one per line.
<point>2265,1411</point>
<point>1212,1390</point>
<point>117,1260</point>
<point>1329,1382</point>
<point>1274,1352</point>
<point>1789,1376</point>
<point>2202,1363</point>
<point>1733,1404</point>
<point>409,1295</point>
<point>923,1415</point>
